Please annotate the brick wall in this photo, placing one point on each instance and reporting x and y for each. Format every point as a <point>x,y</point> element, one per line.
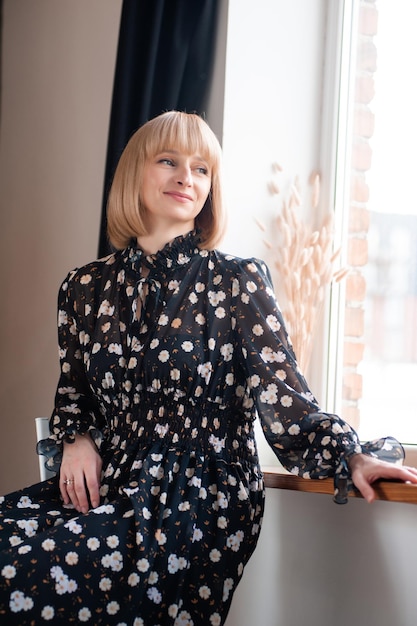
<point>358,224</point>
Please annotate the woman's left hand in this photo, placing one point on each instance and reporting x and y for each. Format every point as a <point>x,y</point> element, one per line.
<point>366,470</point>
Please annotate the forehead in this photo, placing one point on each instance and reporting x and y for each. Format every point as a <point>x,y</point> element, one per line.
<point>181,139</point>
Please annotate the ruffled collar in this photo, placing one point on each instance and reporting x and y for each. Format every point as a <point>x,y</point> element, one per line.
<point>176,253</point>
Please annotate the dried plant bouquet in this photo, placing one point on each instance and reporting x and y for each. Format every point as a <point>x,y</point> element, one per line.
<point>303,265</point>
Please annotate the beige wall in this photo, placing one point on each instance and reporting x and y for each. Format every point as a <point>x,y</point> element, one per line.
<point>57,76</point>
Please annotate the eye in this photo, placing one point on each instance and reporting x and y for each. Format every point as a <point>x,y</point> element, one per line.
<point>202,170</point>
<point>166,161</point>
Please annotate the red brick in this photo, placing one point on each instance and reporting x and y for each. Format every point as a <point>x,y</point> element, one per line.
<point>355,287</point>
<point>361,156</point>
<point>354,322</point>
<point>353,353</point>
<point>366,56</point>
<point>368,20</point>
<point>352,386</point>
<point>359,219</point>
<point>359,190</point>
<point>365,89</point>
<point>363,122</point>
<point>351,415</point>
<point>357,254</point>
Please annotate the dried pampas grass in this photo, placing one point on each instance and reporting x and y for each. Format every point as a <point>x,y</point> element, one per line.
<point>304,264</point>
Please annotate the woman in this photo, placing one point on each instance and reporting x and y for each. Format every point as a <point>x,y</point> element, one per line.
<point>169,349</point>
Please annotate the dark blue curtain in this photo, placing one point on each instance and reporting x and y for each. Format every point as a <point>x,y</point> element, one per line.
<point>164,61</point>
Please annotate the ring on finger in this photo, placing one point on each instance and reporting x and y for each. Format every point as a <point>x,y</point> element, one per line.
<point>68,481</point>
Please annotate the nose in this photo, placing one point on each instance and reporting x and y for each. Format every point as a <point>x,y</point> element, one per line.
<point>184,176</point>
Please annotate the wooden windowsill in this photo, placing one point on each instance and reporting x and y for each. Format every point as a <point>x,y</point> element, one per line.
<point>390,491</point>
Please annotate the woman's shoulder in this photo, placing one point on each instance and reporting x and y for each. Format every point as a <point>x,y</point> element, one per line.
<point>94,270</point>
<point>238,264</point>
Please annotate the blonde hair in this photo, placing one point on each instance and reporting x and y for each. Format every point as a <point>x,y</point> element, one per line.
<point>176,130</point>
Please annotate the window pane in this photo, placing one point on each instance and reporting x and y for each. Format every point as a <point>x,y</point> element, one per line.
<point>380,347</point>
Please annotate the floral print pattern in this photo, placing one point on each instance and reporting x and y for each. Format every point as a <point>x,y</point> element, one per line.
<point>169,396</point>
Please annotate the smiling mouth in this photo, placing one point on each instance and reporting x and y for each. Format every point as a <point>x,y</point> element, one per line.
<point>178,194</point>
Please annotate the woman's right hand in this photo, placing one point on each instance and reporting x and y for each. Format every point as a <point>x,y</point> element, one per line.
<point>79,479</point>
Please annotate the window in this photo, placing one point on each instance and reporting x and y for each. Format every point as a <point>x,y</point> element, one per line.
<point>373,319</point>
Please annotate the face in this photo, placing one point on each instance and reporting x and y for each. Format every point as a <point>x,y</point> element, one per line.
<point>175,188</point>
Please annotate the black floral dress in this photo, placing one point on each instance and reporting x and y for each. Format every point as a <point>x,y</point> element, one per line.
<point>170,400</point>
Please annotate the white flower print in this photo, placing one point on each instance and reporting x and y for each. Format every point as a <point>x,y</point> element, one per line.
<point>173,285</point>
<point>74,527</point>
<point>62,318</point>
<point>286,401</point>
<point>142,565</point>
<point>200,287</point>
<point>187,346</point>
<point>273,323</point>
<point>227,588</point>
<point>175,374</point>
<point>281,374</point>
<point>257,330</point>
<point>215,555</point>
<point>215,619</point>
<point>108,381</point>
<point>193,298</point>
<point>269,395</point>
<point>133,580</point>
<point>20,602</point>
<point>71,558</point>
<point>105,584</point>
<point>215,297</point>
<point>220,313</point>
<point>205,370</point>
<point>48,545</point>
<point>114,561</point>
<point>251,286</point>
<point>84,614</point>
<point>294,429</point>
<point>269,356</point>
<point>218,444</point>
<point>29,526</point>
<point>105,309</point>
<point>204,592</point>
<point>48,613</point>
<point>115,348</point>
<point>163,356</point>
<point>211,343</point>
<point>85,279</point>
<point>184,619</point>
<point>197,535</point>
<point>26,503</point>
<point>163,320</point>
<point>8,571</point>
<point>113,541</point>
<point>113,607</point>
<point>154,344</point>
<point>200,319</point>
<point>93,544</point>
<point>227,351</point>
<point>277,428</point>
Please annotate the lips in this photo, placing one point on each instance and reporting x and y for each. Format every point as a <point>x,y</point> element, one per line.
<point>179,195</point>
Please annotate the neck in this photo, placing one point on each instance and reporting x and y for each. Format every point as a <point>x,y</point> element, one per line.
<point>153,242</point>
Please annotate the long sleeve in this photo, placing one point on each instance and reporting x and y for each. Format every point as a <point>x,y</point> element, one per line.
<point>76,409</point>
<point>307,441</point>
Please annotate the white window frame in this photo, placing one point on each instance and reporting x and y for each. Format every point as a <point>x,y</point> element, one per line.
<point>340,63</point>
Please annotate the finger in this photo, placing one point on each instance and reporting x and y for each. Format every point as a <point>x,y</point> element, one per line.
<point>79,495</point>
<point>93,487</point>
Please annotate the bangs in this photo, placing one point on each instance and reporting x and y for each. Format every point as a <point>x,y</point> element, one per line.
<point>183,132</point>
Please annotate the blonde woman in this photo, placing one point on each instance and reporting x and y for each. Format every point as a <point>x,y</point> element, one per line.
<point>169,351</point>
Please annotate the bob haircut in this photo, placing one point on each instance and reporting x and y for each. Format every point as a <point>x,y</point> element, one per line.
<point>176,130</point>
